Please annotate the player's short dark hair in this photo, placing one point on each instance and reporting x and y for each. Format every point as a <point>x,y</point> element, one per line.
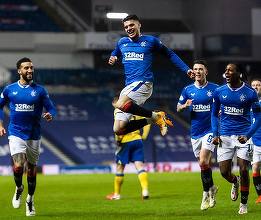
<point>201,61</point>
<point>255,79</point>
<point>22,60</point>
<point>131,17</point>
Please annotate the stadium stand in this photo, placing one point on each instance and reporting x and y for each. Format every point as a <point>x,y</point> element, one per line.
<point>83,131</point>
<point>24,15</point>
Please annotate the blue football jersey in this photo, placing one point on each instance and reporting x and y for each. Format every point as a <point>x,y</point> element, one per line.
<point>257,136</point>
<point>137,57</point>
<point>26,106</point>
<point>234,106</point>
<point>200,110</point>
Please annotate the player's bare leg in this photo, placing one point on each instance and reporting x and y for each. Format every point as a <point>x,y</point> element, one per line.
<point>18,169</point>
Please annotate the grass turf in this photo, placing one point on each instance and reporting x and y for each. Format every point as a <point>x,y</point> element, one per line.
<point>173,196</point>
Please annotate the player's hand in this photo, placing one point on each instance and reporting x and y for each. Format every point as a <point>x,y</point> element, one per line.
<point>216,141</point>
<point>191,74</point>
<point>47,116</point>
<point>188,103</point>
<point>112,60</point>
<point>242,139</point>
<point>2,131</point>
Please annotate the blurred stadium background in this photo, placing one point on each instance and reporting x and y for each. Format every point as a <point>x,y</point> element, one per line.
<point>69,42</point>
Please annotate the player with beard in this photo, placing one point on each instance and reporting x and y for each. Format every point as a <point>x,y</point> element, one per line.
<point>136,51</point>
<point>26,102</point>
<point>232,129</point>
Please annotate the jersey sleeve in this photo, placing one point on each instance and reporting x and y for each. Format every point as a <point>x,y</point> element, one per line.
<point>3,101</point>
<point>183,97</point>
<point>215,114</point>
<point>175,59</point>
<point>116,52</point>
<point>256,108</point>
<point>48,104</point>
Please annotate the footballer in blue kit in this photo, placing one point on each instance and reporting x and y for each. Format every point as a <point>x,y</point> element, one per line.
<point>198,98</point>
<point>26,103</point>
<point>136,52</point>
<point>231,126</point>
<point>256,139</point>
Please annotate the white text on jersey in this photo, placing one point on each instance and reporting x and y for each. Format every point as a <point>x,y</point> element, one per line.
<point>201,108</point>
<point>233,110</point>
<point>133,56</point>
<point>24,108</point>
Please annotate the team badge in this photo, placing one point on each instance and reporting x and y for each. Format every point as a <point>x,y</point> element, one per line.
<point>209,93</point>
<point>143,43</point>
<point>242,97</point>
<point>33,93</point>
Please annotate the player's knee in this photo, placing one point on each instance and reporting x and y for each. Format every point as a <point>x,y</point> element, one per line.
<point>18,169</point>
<point>203,163</point>
<point>256,168</point>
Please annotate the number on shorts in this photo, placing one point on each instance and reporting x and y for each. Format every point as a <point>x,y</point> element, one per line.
<point>210,138</point>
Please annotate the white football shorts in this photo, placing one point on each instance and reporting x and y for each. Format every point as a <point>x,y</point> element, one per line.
<point>139,92</point>
<point>202,142</point>
<point>230,146</point>
<point>29,147</point>
<point>257,154</point>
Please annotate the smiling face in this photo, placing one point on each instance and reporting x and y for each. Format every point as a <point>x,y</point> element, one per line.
<point>132,28</point>
<point>26,71</point>
<point>200,73</point>
<point>231,75</point>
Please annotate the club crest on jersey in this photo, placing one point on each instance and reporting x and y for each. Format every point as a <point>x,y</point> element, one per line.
<point>209,93</point>
<point>242,97</point>
<point>133,56</point>
<point>24,108</point>
<point>143,43</point>
<point>33,93</point>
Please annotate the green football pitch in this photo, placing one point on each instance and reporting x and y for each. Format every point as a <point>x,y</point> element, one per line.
<point>173,196</point>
